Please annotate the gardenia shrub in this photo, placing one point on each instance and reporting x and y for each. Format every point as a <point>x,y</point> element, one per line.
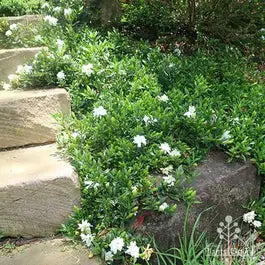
<point>142,120</point>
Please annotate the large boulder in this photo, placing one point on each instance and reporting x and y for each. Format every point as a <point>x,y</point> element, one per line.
<point>11,58</point>
<point>26,116</point>
<point>222,188</point>
<point>38,191</point>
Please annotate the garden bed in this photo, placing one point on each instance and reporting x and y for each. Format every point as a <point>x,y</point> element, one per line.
<point>141,111</point>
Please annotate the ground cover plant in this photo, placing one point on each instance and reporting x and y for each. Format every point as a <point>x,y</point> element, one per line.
<point>17,35</point>
<point>142,120</point>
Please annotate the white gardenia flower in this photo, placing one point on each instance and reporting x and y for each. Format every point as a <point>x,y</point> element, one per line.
<point>149,119</point>
<point>6,86</point>
<point>91,184</point>
<point>146,119</point>
<point>85,227</point>
<point>139,140</point>
<point>165,148</point>
<point>226,136</point>
<point>175,152</point>
<point>67,57</point>
<point>20,69</point>
<point>28,69</point>
<point>236,120</point>
<point>191,113</point>
<point>13,78</point>
<point>108,256</point>
<point>57,9</point>
<point>257,224</point>
<point>68,11</point>
<point>167,170</point>
<point>60,43</point>
<point>74,134</point>
<point>169,180</point>
<point>116,245</point>
<point>134,189</point>
<point>88,183</point>
<point>87,69</point>
<point>99,111</point>
<point>51,20</point>
<point>38,38</point>
<point>163,207</point>
<point>8,33</point>
<point>96,185</point>
<point>45,5</point>
<point>133,250</point>
<point>61,77</point>
<point>13,27</point>
<point>87,239</point>
<point>249,217</point>
<point>163,98</point>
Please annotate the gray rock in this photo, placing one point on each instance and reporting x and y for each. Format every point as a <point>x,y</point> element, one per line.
<point>225,187</point>
<point>11,58</point>
<point>38,191</point>
<point>26,116</point>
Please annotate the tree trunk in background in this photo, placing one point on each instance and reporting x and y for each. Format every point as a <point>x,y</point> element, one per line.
<point>109,10</point>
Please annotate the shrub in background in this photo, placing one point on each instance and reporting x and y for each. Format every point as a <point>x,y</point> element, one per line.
<point>231,21</point>
<point>19,7</point>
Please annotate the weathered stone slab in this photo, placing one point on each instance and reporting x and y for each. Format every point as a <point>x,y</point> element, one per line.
<point>49,252</point>
<point>26,116</point>
<point>221,185</point>
<point>11,58</point>
<point>38,191</point>
<point>26,19</point>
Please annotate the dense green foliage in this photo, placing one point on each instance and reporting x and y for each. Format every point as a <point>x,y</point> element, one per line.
<point>19,7</point>
<point>198,23</point>
<point>178,106</point>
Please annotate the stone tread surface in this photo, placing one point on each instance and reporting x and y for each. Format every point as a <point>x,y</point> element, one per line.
<point>51,252</point>
<point>11,58</point>
<point>38,191</point>
<point>26,117</point>
<point>26,19</point>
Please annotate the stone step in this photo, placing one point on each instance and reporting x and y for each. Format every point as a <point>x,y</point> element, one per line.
<point>38,191</point>
<point>26,116</point>
<point>26,19</point>
<point>11,58</point>
<point>49,252</point>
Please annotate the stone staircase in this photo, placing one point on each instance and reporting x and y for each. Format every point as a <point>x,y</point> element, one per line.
<point>38,189</point>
